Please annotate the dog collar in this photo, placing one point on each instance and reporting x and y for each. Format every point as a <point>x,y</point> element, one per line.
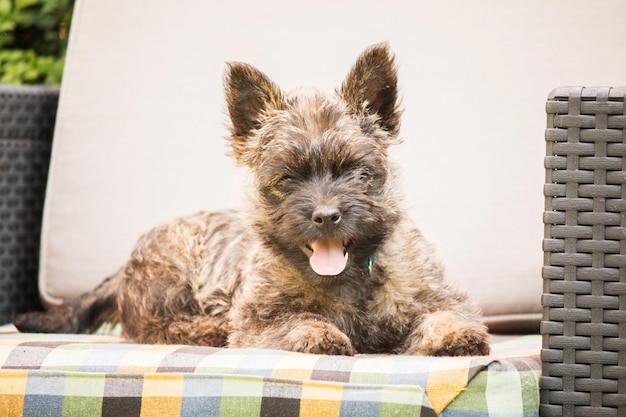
<point>369,263</point>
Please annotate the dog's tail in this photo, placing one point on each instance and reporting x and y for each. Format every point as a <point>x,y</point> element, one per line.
<point>84,314</point>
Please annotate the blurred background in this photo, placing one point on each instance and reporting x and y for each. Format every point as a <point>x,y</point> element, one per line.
<point>33,40</point>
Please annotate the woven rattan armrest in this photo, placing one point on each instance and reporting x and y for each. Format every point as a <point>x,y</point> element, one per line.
<point>27,116</point>
<point>584,321</point>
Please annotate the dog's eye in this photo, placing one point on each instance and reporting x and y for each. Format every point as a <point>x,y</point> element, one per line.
<point>279,184</point>
<point>365,177</point>
<point>282,181</point>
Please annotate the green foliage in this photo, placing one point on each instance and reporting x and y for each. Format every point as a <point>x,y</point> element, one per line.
<point>33,40</point>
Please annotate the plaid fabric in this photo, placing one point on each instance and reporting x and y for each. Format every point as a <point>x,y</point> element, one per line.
<point>91,375</point>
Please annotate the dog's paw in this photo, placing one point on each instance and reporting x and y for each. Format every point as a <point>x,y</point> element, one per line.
<point>320,339</point>
<point>325,344</point>
<point>447,333</point>
<point>464,343</point>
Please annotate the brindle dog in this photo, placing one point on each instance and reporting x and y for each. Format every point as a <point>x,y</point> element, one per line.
<point>324,260</point>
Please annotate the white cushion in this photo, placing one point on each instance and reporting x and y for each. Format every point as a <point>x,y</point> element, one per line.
<point>141,123</point>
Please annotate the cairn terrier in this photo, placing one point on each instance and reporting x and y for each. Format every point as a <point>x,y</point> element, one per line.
<point>325,260</point>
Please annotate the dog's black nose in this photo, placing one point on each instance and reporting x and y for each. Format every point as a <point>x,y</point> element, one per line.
<point>326,216</point>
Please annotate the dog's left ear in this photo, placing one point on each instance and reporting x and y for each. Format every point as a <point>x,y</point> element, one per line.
<point>371,87</point>
<point>250,96</point>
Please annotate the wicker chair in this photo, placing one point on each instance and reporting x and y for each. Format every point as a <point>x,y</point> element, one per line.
<point>27,116</point>
<point>584,327</point>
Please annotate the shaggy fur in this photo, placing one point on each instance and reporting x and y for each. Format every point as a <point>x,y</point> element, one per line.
<point>325,260</point>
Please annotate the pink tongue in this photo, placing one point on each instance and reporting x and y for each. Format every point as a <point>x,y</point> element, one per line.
<point>328,257</point>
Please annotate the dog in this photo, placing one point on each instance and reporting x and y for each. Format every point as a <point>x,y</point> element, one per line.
<point>324,260</point>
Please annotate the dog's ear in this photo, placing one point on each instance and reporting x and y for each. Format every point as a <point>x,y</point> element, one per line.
<point>371,87</point>
<point>250,95</point>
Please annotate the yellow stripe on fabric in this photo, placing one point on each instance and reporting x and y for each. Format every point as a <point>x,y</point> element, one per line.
<point>320,399</point>
<point>447,379</point>
<point>295,366</point>
<point>145,359</point>
<point>12,390</point>
<point>162,394</point>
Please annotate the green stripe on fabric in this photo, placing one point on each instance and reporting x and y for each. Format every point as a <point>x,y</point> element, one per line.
<point>241,396</point>
<point>500,393</point>
<point>401,401</point>
<point>67,357</point>
<point>372,370</point>
<point>83,394</point>
<point>82,406</point>
<point>530,391</point>
<point>473,397</point>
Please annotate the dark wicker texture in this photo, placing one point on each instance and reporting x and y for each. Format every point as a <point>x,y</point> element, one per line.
<point>584,327</point>
<point>27,116</point>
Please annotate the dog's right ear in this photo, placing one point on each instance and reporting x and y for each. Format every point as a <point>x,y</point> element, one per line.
<point>250,95</point>
<point>371,87</point>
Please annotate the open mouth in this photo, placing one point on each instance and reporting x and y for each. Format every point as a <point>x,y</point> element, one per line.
<point>328,256</point>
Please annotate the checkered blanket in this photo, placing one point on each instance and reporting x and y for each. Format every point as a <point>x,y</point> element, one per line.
<point>91,375</point>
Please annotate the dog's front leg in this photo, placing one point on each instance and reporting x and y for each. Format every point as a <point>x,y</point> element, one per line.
<point>447,333</point>
<point>298,332</point>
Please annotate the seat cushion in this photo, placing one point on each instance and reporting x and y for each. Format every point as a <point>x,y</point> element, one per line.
<point>98,375</point>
